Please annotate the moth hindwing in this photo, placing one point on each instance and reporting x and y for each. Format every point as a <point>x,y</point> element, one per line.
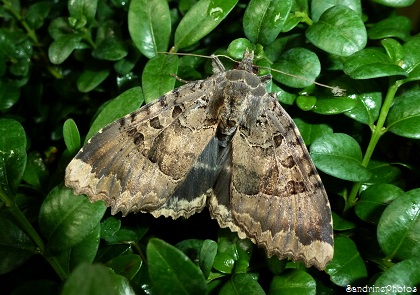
<point>222,142</point>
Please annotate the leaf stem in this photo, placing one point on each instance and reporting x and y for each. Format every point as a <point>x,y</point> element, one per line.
<point>33,234</point>
<point>377,131</point>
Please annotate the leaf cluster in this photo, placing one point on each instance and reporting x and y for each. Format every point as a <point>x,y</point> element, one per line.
<point>68,69</point>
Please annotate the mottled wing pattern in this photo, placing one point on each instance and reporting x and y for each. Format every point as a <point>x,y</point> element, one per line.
<point>277,197</point>
<point>139,161</point>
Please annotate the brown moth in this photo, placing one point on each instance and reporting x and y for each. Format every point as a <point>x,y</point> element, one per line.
<point>222,142</point>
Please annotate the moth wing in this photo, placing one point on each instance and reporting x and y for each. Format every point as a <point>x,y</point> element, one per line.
<point>277,198</point>
<point>137,162</point>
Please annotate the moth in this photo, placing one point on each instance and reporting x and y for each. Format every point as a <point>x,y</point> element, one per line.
<point>223,142</point>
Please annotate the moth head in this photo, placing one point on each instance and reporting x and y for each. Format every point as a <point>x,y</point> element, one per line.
<point>247,62</point>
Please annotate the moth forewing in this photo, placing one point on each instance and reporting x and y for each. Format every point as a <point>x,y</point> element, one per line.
<point>223,142</point>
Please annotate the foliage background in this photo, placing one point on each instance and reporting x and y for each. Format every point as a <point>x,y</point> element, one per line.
<point>68,69</point>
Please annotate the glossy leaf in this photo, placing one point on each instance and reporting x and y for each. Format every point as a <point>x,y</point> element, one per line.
<point>12,156</point>
<point>319,7</point>
<point>242,284</point>
<point>383,172</point>
<point>83,9</point>
<point>157,78</point>
<point>126,265</point>
<point>83,252</point>
<point>62,47</point>
<point>399,227</point>
<point>371,63</point>
<point>122,105</point>
<point>405,278</point>
<point>392,27</point>
<point>340,223</point>
<point>15,245</point>
<point>171,272</point>
<point>264,20</point>
<point>301,65</point>
<point>339,155</point>
<point>374,200</point>
<point>71,136</point>
<point>333,106</point>
<point>9,94</point>
<point>340,30</point>
<point>202,252</point>
<point>346,267</point>
<point>36,171</point>
<point>404,116</point>
<point>95,280</point>
<point>412,58</point>
<point>149,24</point>
<point>395,3</point>
<point>295,282</point>
<point>366,108</point>
<point>310,132</point>
<point>200,20</point>
<point>90,79</point>
<point>66,219</point>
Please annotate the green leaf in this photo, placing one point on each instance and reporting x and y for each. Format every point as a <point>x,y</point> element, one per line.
<point>295,282</point>
<point>371,63</point>
<point>36,171</point>
<point>111,49</point>
<point>340,223</point>
<point>392,27</point>
<point>333,106</point>
<point>340,30</point>
<point>374,200</point>
<point>83,252</point>
<point>405,278</point>
<point>394,50</point>
<point>126,265</point>
<point>37,13</point>
<point>125,103</point>
<point>83,9</point>
<point>61,48</point>
<point>412,58</point>
<point>242,284</point>
<point>310,132</point>
<point>66,219</point>
<point>233,254</point>
<point>201,252</point>
<point>15,245</point>
<point>9,94</point>
<point>301,65</point>
<point>156,78</point>
<point>95,279</point>
<point>12,157</point>
<point>264,20</point>
<point>395,3</point>
<point>149,24</point>
<point>399,227</point>
<point>71,136</point>
<point>404,116</point>
<point>367,106</point>
<point>91,78</point>
<point>171,272</point>
<point>346,267</point>
<point>383,172</point>
<point>238,46</point>
<point>200,20</point>
<point>339,155</point>
<point>298,14</point>
<point>319,7</point>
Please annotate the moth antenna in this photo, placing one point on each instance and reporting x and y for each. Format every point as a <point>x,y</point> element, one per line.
<point>336,90</point>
